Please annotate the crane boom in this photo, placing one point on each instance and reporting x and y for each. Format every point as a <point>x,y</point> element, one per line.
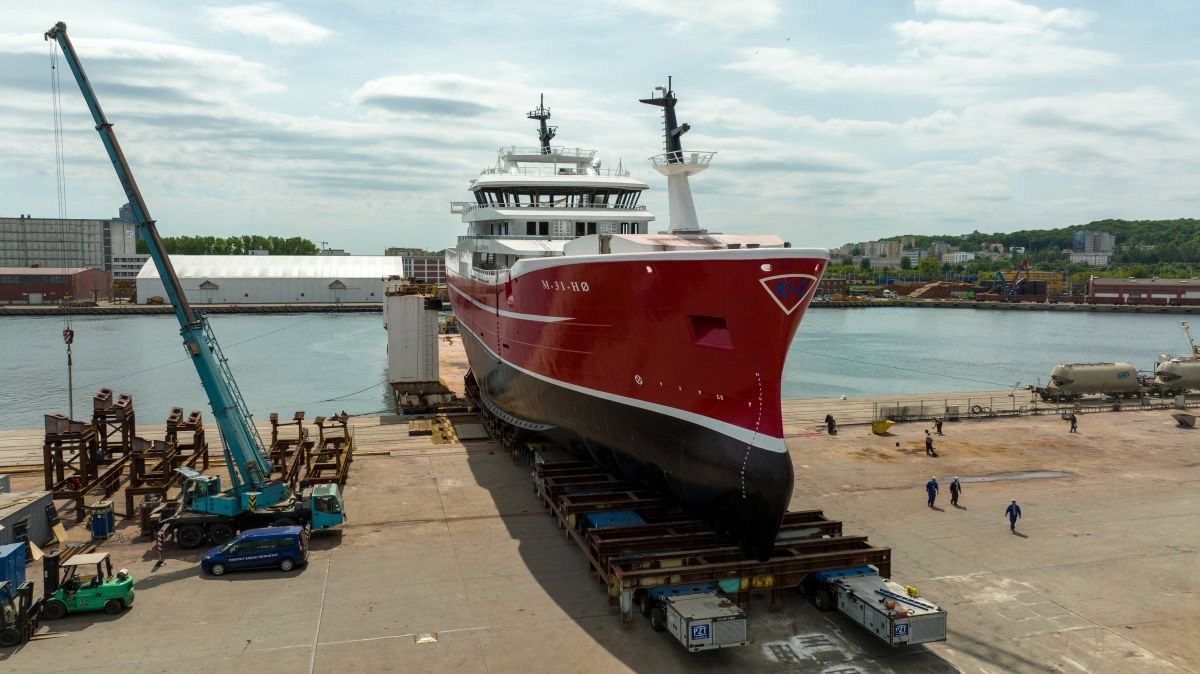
<point>249,469</point>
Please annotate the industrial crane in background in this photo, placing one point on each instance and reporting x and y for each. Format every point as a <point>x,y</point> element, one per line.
<point>254,499</point>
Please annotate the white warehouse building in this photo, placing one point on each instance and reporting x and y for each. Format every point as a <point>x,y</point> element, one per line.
<point>274,279</point>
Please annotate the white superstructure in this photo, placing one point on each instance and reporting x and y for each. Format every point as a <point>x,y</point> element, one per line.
<point>550,201</point>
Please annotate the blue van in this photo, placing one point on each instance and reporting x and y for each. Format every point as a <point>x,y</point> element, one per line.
<point>282,547</point>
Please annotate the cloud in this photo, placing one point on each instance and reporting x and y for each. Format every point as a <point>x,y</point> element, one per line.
<point>752,154</point>
<point>737,114</point>
<point>1006,11</point>
<point>741,15</point>
<point>443,94</point>
<point>1145,117</point>
<point>267,20</point>
<point>968,48</point>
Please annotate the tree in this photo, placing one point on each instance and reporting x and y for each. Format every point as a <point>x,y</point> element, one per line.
<point>234,245</point>
<point>905,262</point>
<point>929,267</point>
<point>865,264</point>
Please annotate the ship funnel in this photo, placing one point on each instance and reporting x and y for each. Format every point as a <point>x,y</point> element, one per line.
<point>676,164</point>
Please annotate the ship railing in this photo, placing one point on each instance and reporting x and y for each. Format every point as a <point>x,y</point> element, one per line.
<point>698,158</point>
<point>489,276</point>
<point>517,237</point>
<point>461,207</point>
<point>577,153</point>
<point>555,170</point>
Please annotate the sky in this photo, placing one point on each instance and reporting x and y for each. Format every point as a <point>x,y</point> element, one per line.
<point>356,123</point>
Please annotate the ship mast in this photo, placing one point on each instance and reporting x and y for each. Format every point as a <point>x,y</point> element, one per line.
<point>545,133</point>
<point>675,165</point>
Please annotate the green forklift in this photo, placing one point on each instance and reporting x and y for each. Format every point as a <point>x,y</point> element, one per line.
<point>87,584</point>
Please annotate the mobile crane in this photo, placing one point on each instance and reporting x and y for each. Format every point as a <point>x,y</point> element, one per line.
<point>254,499</point>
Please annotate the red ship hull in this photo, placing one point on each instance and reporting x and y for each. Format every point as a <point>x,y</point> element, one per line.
<point>664,366</point>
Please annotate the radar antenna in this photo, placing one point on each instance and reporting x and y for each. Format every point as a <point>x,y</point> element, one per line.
<point>672,129</point>
<point>545,133</point>
<point>675,165</point>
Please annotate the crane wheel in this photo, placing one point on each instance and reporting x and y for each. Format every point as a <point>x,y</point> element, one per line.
<point>221,533</point>
<point>189,536</point>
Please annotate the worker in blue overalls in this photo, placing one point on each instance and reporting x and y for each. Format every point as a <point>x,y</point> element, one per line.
<point>931,488</point>
<point>1014,513</point>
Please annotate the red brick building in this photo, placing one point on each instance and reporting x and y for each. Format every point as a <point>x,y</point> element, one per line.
<point>1144,291</point>
<point>46,285</point>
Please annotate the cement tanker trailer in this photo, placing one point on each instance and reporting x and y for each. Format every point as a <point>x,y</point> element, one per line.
<point>1069,382</point>
<point>1173,376</point>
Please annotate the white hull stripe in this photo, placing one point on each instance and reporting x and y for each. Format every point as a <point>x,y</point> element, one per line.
<point>757,439</point>
<point>510,314</point>
<point>526,265</point>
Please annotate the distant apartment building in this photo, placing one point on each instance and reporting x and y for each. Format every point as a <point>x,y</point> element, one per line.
<point>957,257</point>
<point>1093,242</point>
<point>125,269</point>
<point>421,265</point>
<point>939,248</point>
<point>884,249</point>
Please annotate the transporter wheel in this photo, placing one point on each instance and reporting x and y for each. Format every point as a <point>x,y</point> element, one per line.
<point>645,604</point>
<point>113,606</point>
<point>9,636</point>
<point>976,409</point>
<point>221,533</point>
<point>54,610</point>
<point>658,619</point>
<point>823,600</point>
<point>189,536</point>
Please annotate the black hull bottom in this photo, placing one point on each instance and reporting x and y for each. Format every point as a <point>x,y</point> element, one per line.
<point>743,491</point>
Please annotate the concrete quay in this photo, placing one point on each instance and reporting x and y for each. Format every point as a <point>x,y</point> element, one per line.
<point>450,564</point>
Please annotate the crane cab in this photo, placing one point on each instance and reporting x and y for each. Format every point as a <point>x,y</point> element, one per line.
<point>328,509</point>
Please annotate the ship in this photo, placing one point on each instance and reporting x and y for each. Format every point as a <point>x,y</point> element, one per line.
<point>658,355</point>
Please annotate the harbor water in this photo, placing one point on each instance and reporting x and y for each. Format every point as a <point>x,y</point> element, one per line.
<point>326,363</point>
